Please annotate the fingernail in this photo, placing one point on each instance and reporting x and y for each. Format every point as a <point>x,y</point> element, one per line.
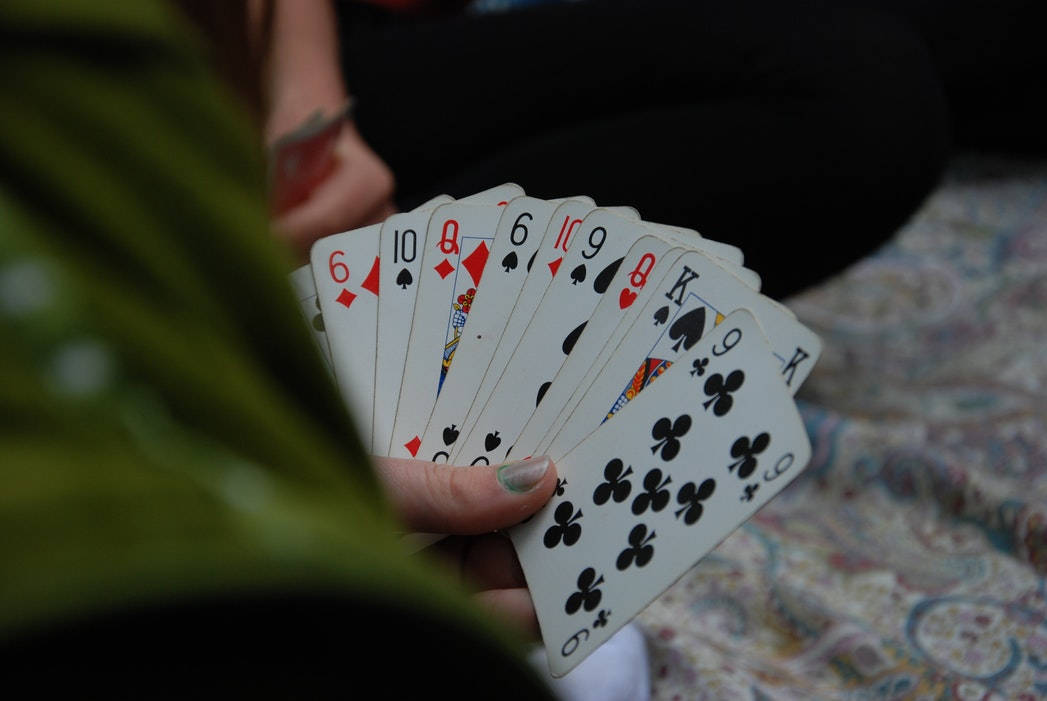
<point>523,476</point>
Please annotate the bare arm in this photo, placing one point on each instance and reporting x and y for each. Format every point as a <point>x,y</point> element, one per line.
<point>304,82</point>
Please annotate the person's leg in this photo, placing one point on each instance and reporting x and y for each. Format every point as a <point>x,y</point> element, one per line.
<point>992,60</point>
<point>803,134</point>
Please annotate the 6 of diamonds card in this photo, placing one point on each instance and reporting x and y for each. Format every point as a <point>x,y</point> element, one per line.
<point>345,268</point>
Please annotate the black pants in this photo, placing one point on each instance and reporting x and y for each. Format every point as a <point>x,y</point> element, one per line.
<point>805,133</point>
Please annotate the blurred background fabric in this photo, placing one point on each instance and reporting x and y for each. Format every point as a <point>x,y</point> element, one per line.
<point>908,560</point>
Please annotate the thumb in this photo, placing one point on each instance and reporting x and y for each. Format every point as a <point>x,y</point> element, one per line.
<point>438,498</point>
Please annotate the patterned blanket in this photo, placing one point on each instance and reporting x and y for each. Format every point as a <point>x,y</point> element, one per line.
<point>908,560</point>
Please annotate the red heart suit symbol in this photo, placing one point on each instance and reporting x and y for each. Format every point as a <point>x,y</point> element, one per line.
<point>626,298</point>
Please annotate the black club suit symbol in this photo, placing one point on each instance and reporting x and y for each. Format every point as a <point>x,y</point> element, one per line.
<point>601,618</point>
<point>655,495</point>
<point>698,366</point>
<point>565,528</point>
<point>587,596</point>
<point>616,486</point>
<point>720,390</point>
<point>668,433</point>
<point>745,452</point>
<point>561,482</point>
<point>692,497</point>
<point>640,550</point>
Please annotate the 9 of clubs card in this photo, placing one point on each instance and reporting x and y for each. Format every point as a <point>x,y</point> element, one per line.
<point>659,486</point>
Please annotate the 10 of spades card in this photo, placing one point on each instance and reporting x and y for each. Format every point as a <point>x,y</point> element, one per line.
<point>641,357</point>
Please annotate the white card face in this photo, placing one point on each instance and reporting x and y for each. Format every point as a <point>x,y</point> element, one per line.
<point>562,227</point>
<point>603,358</point>
<point>458,244</point>
<point>400,250</point>
<point>345,268</point>
<point>645,498</point>
<point>588,268</point>
<point>522,227</point>
<point>499,195</point>
<point>402,238</point>
<point>725,255</point>
<point>691,239</point>
<point>694,296</point>
<point>645,261</point>
<point>305,293</point>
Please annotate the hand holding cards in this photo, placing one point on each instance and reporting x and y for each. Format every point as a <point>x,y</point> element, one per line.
<point>500,326</point>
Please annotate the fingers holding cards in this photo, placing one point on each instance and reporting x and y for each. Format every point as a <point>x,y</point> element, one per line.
<point>641,357</point>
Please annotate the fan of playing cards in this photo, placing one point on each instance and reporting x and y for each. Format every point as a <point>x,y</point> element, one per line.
<point>500,326</point>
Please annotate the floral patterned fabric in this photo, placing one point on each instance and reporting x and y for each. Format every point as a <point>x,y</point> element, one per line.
<point>907,562</point>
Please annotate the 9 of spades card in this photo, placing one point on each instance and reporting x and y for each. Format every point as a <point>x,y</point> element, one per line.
<point>658,486</point>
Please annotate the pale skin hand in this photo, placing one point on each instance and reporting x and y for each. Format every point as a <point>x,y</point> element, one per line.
<point>304,79</point>
<point>472,502</point>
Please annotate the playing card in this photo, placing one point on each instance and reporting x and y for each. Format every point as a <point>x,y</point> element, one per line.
<point>521,229</point>
<point>345,269</point>
<point>305,293</point>
<point>645,261</point>
<point>693,297</point>
<point>562,227</point>
<point>725,255</point>
<point>589,266</point>
<point>301,160</point>
<point>400,247</point>
<point>654,490</point>
<point>602,358</point>
<point>458,244</point>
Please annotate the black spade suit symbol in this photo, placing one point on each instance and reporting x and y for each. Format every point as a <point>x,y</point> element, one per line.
<point>450,434</point>
<point>603,280</point>
<point>492,441</point>
<point>572,338</point>
<point>541,392</point>
<point>578,274</point>
<point>688,329</point>
<point>404,279</point>
<point>661,316</point>
<point>510,262</point>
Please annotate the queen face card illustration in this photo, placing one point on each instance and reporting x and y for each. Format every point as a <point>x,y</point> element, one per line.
<point>653,491</point>
<point>458,245</point>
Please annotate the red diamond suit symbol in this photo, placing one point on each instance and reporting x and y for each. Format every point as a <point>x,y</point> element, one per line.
<point>345,297</point>
<point>476,261</point>
<point>444,268</point>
